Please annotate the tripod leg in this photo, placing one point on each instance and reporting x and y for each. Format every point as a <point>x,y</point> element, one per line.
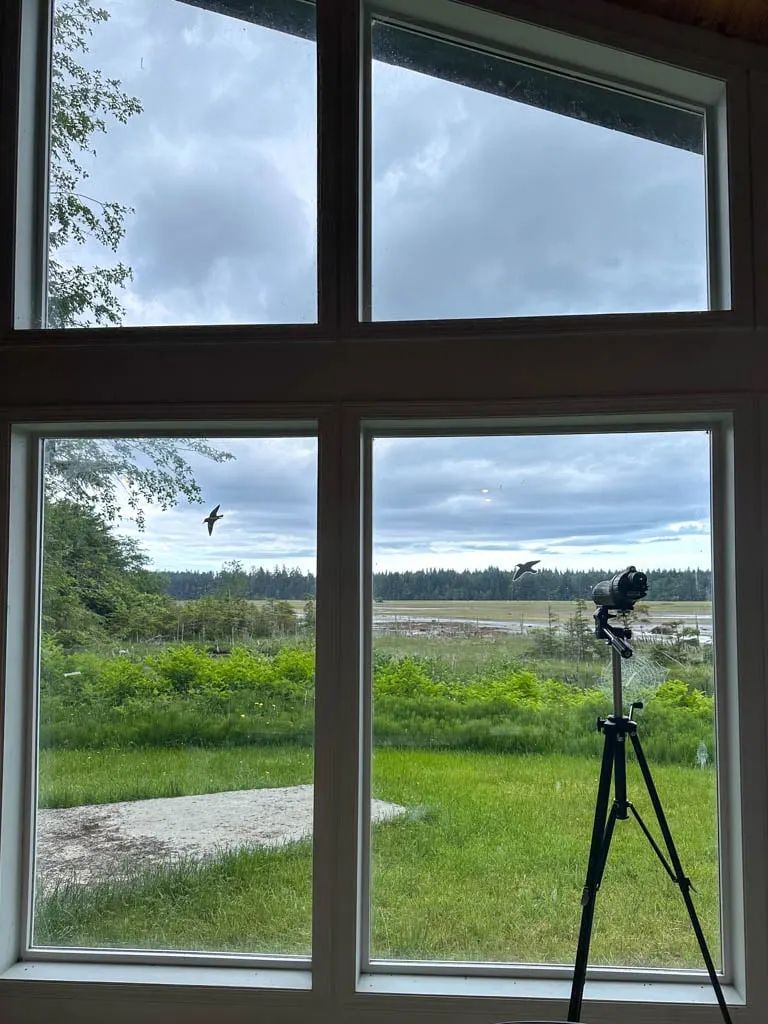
<point>598,851</point>
<point>682,881</point>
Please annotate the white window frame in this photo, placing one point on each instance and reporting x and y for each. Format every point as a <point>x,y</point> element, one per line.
<point>711,363</point>
<point>339,851</point>
<point>577,58</point>
<point>731,893</point>
<point>30,440</point>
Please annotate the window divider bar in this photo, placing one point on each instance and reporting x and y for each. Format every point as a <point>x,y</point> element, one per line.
<point>330,140</point>
<point>366,746</point>
<point>347,156</point>
<point>747,708</point>
<point>17,702</point>
<point>366,167</point>
<point>33,558</point>
<point>348,769</point>
<point>12,458</point>
<point>729,203</point>
<point>10,31</point>
<point>24,122</point>
<point>327,809</point>
<point>758,158</point>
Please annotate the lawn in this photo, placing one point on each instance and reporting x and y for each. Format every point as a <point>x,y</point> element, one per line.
<point>488,863</point>
<point>70,778</point>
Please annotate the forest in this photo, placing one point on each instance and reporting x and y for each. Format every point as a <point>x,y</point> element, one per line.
<point>491,584</point>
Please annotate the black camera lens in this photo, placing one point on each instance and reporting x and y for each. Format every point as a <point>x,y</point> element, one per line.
<point>622,590</point>
<point>633,583</point>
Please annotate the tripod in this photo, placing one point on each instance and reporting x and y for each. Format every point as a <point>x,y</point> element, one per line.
<point>616,728</point>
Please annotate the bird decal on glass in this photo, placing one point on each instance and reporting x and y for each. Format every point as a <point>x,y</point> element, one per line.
<point>525,567</point>
<point>212,518</point>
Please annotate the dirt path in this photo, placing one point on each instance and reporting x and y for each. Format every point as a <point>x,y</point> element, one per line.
<point>83,844</point>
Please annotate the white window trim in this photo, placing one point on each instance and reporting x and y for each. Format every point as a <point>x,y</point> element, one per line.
<point>578,58</point>
<point>731,725</point>
<point>29,441</point>
<point>662,79</point>
<point>731,896</point>
<point>383,979</point>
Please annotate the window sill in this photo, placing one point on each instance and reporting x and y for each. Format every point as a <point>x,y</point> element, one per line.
<point>545,989</point>
<point>159,974</point>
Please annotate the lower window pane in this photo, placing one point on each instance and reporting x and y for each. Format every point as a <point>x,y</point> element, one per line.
<point>488,679</point>
<point>176,695</point>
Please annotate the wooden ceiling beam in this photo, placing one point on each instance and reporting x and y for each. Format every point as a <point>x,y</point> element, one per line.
<point>742,19</point>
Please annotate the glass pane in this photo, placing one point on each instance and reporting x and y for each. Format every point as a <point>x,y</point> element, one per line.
<point>488,678</point>
<point>182,163</point>
<point>503,190</point>
<point>176,695</point>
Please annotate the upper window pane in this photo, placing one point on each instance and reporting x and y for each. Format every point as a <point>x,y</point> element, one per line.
<point>182,163</point>
<point>500,189</point>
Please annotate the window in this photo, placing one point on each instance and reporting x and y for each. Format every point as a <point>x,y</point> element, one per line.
<point>176,694</point>
<point>486,689</point>
<point>171,201</point>
<point>501,189</point>
<point>366,358</point>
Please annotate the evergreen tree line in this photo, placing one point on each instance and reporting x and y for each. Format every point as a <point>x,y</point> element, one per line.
<point>491,584</point>
<point>258,584</point>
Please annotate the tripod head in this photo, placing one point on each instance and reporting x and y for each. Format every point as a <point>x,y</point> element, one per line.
<point>617,636</point>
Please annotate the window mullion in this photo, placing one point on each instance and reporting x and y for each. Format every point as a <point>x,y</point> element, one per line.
<point>346,725</point>
<point>327,810</point>
<point>26,41</point>
<point>365,149</point>
<point>19,464</point>
<point>346,157</point>
<point>329,142</point>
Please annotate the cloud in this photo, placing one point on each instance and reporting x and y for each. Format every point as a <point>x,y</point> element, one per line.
<point>568,496</point>
<point>220,167</point>
<point>268,496</point>
<point>575,501</point>
<point>481,206</point>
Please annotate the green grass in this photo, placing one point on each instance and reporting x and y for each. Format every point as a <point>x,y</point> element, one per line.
<point>249,902</point>
<point>473,655</point>
<point>466,655</point>
<point>488,864</point>
<point>70,778</point>
<point>491,864</point>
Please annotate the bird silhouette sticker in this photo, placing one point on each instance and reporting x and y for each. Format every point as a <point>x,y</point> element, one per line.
<point>212,518</point>
<point>525,567</point>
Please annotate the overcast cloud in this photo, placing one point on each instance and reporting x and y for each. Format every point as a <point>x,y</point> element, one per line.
<point>481,207</point>
<point>574,501</point>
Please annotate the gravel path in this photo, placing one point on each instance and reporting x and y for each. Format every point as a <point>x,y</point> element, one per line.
<point>83,844</point>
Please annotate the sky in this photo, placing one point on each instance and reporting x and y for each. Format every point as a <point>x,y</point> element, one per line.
<point>573,501</point>
<point>481,207</point>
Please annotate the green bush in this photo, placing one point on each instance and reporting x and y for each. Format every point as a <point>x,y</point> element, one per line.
<point>185,695</point>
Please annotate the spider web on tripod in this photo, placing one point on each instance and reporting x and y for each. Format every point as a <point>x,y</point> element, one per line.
<point>641,676</point>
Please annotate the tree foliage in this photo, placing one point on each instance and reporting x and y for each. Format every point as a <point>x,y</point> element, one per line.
<point>109,474</point>
<point>95,584</point>
<point>491,584</point>
<point>83,104</point>
<point>97,590</point>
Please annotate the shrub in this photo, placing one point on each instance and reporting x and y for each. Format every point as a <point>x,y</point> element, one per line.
<point>186,669</point>
<point>184,695</point>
